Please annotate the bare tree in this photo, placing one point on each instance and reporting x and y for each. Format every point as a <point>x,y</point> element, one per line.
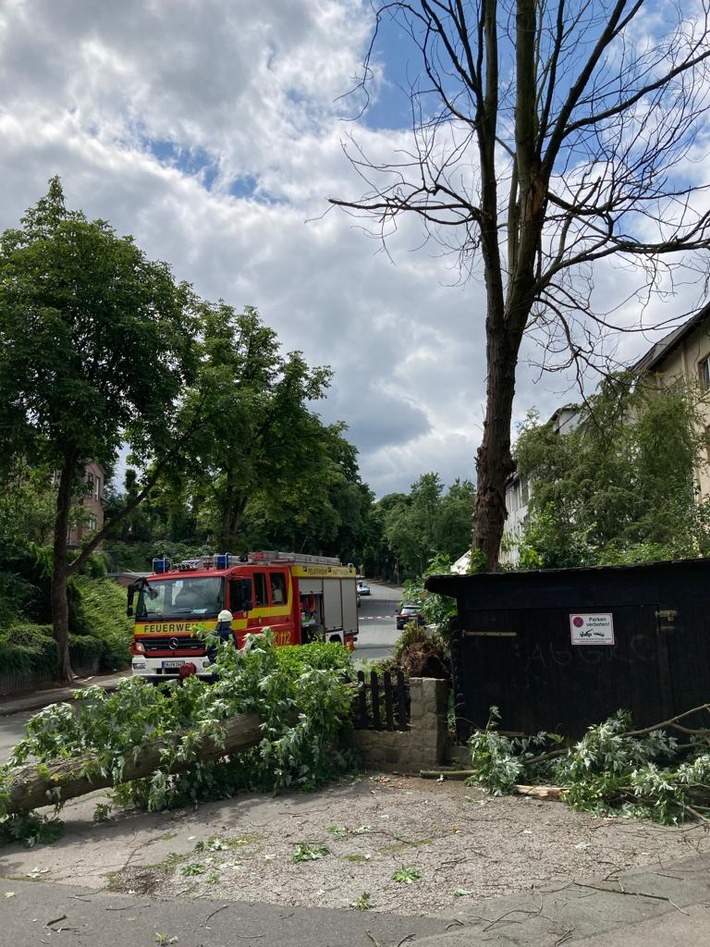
<point>547,135</point>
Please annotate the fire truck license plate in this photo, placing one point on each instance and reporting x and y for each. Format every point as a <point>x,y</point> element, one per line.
<point>172,664</point>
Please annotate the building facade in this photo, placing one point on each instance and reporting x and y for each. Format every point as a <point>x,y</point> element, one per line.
<point>89,516</point>
<point>684,355</point>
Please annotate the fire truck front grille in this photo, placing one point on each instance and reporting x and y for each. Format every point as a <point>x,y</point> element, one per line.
<point>180,643</point>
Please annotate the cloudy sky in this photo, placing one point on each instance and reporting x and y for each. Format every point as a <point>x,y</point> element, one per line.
<point>212,131</point>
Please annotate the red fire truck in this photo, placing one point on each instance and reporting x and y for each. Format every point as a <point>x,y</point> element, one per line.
<point>300,598</point>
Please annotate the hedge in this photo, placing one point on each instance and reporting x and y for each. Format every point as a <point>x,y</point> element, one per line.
<point>31,648</point>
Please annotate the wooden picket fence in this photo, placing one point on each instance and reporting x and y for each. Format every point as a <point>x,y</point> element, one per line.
<point>382,704</point>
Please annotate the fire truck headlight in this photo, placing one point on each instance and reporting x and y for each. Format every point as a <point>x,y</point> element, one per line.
<point>138,647</point>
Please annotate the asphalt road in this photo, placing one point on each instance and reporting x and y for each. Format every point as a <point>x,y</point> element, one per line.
<point>11,730</point>
<point>378,628</point>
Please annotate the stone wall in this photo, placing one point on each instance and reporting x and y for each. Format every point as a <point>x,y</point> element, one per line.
<point>424,746</point>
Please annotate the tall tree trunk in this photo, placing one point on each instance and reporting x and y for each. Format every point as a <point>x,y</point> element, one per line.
<point>494,462</point>
<point>60,602</point>
<point>506,321</point>
<point>235,501</point>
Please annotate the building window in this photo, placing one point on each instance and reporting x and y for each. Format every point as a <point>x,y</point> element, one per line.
<point>704,373</point>
<point>525,491</point>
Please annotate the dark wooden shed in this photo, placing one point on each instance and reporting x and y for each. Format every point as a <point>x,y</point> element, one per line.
<point>563,649</point>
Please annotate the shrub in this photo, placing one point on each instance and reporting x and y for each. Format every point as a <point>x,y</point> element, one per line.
<point>16,595</point>
<point>84,650</point>
<point>100,612</point>
<point>26,647</point>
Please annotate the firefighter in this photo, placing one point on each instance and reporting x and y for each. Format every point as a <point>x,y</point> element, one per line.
<point>224,627</point>
<point>224,632</point>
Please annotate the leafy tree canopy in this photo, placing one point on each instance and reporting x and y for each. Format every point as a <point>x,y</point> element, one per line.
<point>427,521</point>
<point>93,338</point>
<point>261,464</point>
<point>621,486</point>
<point>94,349</point>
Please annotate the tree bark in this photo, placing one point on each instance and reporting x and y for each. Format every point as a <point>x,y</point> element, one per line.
<point>31,786</point>
<point>494,462</point>
<point>60,570</point>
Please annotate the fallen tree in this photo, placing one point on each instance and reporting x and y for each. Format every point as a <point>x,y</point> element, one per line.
<point>273,719</point>
<point>35,785</point>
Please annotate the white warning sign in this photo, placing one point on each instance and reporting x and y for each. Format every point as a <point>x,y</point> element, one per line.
<point>592,629</point>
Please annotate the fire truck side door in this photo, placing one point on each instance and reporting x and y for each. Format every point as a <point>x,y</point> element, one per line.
<point>240,595</point>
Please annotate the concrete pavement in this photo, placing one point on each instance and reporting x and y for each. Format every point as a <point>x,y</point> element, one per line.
<point>666,907</point>
<point>663,906</point>
<point>660,907</point>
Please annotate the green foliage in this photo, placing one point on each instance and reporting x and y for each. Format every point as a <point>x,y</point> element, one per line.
<point>437,609</point>
<point>86,652</point>
<point>29,829</point>
<point>25,575</point>
<point>598,771</point>
<point>363,903</point>
<point>414,636</point>
<point>257,442</point>
<point>100,628</point>
<point>619,488</point>
<point>102,812</point>
<point>25,647</point>
<point>406,875</point>
<point>83,312</point>
<point>299,693</point>
<point>100,611</point>
<point>95,347</point>
<point>16,595</point>
<point>494,764</point>
<point>305,852</point>
<point>138,557</point>
<point>427,522</point>
<point>27,503</point>
<point>611,770</point>
<point>498,761</point>
<point>478,562</point>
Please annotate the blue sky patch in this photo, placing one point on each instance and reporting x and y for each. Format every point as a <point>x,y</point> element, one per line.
<point>192,162</point>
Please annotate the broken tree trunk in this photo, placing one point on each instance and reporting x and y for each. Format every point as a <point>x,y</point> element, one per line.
<point>32,786</point>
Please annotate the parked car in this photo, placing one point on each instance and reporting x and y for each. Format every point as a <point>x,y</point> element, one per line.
<point>408,613</point>
<point>362,588</point>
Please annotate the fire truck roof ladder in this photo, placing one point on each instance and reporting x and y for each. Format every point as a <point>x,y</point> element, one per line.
<point>270,555</point>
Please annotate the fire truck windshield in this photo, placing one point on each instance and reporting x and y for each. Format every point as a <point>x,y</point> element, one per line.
<point>198,596</point>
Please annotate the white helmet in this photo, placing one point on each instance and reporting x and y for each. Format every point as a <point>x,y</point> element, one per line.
<point>224,615</point>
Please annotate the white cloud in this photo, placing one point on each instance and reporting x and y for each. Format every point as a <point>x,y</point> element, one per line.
<point>211,130</point>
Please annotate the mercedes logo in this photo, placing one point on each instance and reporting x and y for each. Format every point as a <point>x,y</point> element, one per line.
<point>174,644</point>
